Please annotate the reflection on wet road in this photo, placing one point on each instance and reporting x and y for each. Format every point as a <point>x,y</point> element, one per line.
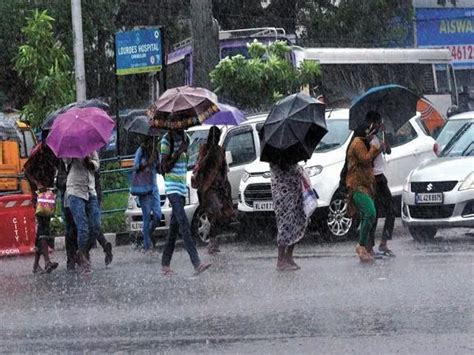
<point>420,301</point>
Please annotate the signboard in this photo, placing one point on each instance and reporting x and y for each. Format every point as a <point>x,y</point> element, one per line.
<point>138,51</point>
<point>451,28</point>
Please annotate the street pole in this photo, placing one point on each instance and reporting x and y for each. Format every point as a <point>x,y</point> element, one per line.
<point>76,14</point>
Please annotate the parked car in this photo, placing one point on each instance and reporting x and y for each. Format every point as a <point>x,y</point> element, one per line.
<point>411,146</point>
<point>440,193</point>
<point>242,147</point>
<point>451,126</point>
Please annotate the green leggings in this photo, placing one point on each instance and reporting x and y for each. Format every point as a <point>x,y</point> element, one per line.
<point>366,207</point>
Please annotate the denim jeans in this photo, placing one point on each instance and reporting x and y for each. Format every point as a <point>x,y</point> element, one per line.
<point>150,203</point>
<point>179,225</point>
<point>86,215</point>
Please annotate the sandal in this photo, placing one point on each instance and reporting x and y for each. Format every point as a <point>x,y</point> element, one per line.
<point>49,267</point>
<point>386,252</point>
<point>201,268</point>
<point>167,271</point>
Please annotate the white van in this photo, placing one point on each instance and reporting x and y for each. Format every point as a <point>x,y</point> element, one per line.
<point>242,147</point>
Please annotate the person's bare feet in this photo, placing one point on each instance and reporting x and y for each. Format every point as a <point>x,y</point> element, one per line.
<point>166,271</point>
<point>201,268</point>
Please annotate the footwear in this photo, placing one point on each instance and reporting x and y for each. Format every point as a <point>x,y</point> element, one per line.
<point>83,262</point>
<point>108,253</point>
<point>201,268</point>
<point>166,271</point>
<point>363,254</point>
<point>50,266</point>
<point>37,269</point>
<point>386,252</point>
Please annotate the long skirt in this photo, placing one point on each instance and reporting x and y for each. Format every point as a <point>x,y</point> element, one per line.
<point>287,195</point>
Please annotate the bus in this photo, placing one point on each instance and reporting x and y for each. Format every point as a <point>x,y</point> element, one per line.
<point>348,72</point>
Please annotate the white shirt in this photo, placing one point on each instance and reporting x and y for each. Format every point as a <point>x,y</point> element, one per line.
<point>379,161</point>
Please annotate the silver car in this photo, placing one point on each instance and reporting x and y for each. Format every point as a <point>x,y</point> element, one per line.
<point>440,193</point>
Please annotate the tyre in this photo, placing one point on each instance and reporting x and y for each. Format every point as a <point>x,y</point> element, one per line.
<point>200,227</point>
<point>336,224</point>
<point>423,234</point>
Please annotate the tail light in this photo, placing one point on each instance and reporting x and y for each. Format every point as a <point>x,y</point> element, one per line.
<point>436,149</point>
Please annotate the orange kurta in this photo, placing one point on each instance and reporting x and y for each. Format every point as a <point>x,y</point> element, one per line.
<point>360,175</point>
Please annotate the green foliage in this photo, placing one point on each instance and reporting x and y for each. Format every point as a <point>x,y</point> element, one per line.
<point>44,66</point>
<point>268,75</point>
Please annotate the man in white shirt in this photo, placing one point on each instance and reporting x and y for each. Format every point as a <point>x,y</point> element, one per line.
<point>383,196</point>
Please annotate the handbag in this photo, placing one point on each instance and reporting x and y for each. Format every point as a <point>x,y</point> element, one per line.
<point>142,183</point>
<point>310,196</point>
<point>45,203</point>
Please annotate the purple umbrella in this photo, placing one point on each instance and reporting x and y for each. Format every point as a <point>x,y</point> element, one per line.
<point>80,131</point>
<point>228,115</point>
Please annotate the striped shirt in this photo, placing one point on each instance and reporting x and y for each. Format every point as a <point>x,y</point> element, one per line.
<point>175,180</point>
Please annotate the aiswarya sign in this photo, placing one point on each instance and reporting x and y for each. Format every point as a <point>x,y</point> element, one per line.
<point>451,28</point>
<point>138,51</point>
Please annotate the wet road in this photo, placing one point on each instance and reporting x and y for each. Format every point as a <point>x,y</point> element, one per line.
<point>419,302</point>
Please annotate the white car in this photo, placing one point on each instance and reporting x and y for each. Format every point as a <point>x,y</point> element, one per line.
<point>410,147</point>
<point>451,126</point>
<point>242,147</point>
<point>440,193</point>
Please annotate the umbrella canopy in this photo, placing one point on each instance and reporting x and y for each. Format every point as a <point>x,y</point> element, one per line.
<point>292,130</point>
<point>141,124</point>
<point>227,115</point>
<point>48,122</point>
<point>80,131</point>
<point>183,107</point>
<point>396,104</point>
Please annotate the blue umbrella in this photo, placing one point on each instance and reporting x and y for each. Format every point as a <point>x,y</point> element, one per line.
<point>228,115</point>
<point>396,104</point>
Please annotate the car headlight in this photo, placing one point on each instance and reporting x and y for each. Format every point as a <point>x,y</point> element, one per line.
<point>406,185</point>
<point>245,176</point>
<point>313,170</point>
<point>468,183</point>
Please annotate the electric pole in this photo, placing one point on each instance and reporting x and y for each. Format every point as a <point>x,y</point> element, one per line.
<point>205,34</point>
<point>76,15</point>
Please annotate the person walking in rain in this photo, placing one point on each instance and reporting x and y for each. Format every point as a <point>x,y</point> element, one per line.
<point>383,196</point>
<point>174,146</point>
<point>359,180</point>
<point>81,198</point>
<point>147,161</point>
<point>40,170</point>
<point>214,190</point>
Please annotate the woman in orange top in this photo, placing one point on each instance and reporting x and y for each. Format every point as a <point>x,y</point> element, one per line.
<point>360,182</point>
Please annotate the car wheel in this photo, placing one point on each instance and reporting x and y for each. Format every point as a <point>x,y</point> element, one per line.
<point>201,227</point>
<point>422,234</point>
<point>337,225</point>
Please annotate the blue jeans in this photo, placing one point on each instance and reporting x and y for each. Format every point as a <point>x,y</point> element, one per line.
<point>179,225</point>
<point>150,203</point>
<point>86,215</point>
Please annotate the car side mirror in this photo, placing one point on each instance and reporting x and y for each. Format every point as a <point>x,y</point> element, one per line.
<point>228,157</point>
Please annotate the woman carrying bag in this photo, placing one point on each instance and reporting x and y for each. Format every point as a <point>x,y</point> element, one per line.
<point>145,167</point>
<point>214,190</point>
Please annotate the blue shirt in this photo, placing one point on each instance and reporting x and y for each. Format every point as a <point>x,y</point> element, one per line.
<point>175,180</point>
<point>140,160</point>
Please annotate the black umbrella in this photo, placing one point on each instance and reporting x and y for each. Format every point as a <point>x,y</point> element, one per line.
<point>292,130</point>
<point>141,124</point>
<point>396,104</point>
<point>48,122</point>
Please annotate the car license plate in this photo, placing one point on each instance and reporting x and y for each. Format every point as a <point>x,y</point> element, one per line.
<point>136,226</point>
<point>429,198</point>
<point>263,205</point>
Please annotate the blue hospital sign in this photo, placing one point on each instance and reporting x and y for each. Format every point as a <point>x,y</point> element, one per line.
<point>138,51</point>
<point>451,28</point>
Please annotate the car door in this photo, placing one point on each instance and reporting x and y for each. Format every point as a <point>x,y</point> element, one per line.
<point>241,143</point>
<point>403,158</point>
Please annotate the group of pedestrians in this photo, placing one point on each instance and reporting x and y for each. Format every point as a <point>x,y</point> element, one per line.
<point>78,183</point>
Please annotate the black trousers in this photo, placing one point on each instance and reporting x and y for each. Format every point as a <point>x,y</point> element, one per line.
<point>383,202</point>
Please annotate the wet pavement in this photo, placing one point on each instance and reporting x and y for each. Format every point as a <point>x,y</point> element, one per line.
<point>421,301</point>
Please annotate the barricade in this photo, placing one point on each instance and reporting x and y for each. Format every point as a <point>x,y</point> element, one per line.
<point>17,225</point>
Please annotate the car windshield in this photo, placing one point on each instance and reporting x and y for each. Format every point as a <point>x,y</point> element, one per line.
<point>449,130</point>
<point>338,132</point>
<point>462,143</point>
<point>197,139</point>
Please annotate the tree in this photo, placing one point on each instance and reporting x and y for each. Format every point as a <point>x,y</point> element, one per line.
<point>256,83</point>
<point>45,67</point>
